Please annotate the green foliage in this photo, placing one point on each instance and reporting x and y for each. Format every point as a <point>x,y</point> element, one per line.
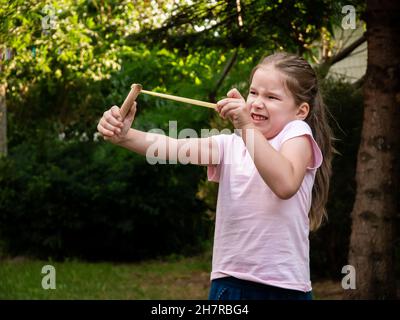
<point>96,201</point>
<point>78,198</point>
<point>271,25</point>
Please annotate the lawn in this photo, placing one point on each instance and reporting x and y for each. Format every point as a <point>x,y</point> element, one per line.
<point>170,278</point>
<point>173,278</point>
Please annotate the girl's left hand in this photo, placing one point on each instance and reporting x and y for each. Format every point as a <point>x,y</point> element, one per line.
<point>234,107</point>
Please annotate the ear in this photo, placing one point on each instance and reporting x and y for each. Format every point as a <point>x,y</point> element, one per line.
<point>302,111</point>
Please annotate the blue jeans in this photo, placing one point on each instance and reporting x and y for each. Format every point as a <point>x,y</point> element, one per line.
<point>230,288</point>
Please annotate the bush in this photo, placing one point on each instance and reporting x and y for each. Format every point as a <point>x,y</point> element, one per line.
<point>97,201</point>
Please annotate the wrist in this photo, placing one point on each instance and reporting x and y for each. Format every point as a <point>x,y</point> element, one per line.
<point>248,131</point>
<point>248,126</point>
<point>125,138</point>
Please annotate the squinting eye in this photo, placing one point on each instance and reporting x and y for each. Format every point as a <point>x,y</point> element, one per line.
<point>252,92</point>
<point>272,97</point>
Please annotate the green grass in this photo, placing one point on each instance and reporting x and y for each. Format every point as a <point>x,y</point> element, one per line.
<point>171,278</point>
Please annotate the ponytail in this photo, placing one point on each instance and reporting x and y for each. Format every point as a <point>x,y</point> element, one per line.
<point>317,120</point>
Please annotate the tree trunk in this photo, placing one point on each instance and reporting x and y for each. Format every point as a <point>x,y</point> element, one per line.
<point>3,120</point>
<point>374,213</point>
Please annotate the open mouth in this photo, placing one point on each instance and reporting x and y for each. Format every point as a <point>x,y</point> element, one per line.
<point>258,117</point>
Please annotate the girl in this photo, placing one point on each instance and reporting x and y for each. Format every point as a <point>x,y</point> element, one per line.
<point>267,198</point>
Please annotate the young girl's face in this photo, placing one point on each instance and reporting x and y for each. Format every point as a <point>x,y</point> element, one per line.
<point>271,104</point>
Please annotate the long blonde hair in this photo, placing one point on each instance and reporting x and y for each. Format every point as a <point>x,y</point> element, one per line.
<point>302,82</point>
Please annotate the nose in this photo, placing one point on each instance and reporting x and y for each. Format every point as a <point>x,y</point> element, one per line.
<point>258,104</point>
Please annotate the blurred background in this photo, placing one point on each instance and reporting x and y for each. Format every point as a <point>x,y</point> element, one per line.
<point>114,226</point>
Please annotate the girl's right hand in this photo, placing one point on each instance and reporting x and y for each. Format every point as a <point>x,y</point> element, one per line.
<point>112,127</point>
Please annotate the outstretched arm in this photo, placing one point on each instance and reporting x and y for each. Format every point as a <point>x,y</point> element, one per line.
<point>200,151</point>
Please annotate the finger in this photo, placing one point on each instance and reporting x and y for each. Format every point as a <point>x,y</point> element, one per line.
<point>231,114</point>
<point>228,107</point>
<point>224,102</point>
<point>234,93</point>
<point>111,119</point>
<point>220,104</point>
<point>104,132</point>
<point>106,125</point>
<point>224,110</point>
<point>116,112</point>
<point>228,100</point>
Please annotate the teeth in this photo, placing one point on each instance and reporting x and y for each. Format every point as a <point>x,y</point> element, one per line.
<point>257,117</point>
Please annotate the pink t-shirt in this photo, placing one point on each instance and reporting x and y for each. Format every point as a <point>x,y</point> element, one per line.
<point>258,236</point>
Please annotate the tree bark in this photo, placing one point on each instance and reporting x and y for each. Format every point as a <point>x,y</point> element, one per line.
<point>3,120</point>
<point>372,239</point>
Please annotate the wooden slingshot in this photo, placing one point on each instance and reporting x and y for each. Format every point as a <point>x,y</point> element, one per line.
<point>136,89</point>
